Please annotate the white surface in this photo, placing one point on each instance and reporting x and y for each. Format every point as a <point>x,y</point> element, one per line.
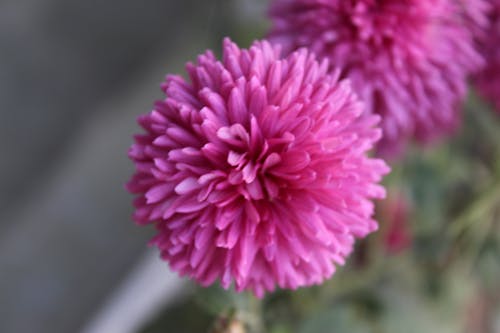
<point>149,287</point>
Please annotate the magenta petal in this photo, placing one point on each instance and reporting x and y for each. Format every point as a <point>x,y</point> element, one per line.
<point>186,186</point>
<point>158,193</point>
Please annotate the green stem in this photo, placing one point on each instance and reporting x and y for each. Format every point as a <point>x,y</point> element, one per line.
<point>254,315</point>
<point>477,210</point>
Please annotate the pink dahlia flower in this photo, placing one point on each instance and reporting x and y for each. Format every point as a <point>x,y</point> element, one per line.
<point>255,170</point>
<point>488,80</point>
<point>408,60</point>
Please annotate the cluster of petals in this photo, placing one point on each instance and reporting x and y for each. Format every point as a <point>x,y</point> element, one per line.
<point>487,81</point>
<point>475,16</point>
<point>408,60</point>
<point>255,170</point>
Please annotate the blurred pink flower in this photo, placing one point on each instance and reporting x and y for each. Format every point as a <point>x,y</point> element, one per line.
<point>488,80</point>
<point>256,170</point>
<point>408,60</point>
<point>475,15</point>
<point>395,221</point>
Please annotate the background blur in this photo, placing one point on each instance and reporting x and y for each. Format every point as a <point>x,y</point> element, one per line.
<point>74,75</point>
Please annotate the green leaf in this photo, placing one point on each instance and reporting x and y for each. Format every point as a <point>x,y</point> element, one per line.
<point>339,319</point>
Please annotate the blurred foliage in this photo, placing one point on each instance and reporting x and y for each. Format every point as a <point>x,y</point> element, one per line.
<point>186,316</point>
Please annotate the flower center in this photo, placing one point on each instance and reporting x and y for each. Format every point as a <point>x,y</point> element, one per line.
<point>249,160</point>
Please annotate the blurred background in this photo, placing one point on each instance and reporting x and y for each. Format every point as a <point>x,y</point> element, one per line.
<point>74,75</point>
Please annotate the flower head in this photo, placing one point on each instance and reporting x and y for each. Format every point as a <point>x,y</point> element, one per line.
<point>255,171</point>
<point>487,81</point>
<point>408,60</point>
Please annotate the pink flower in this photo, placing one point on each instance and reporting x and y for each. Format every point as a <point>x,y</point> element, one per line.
<point>488,80</point>
<point>395,221</point>
<point>475,15</point>
<point>408,60</point>
<point>256,170</point>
